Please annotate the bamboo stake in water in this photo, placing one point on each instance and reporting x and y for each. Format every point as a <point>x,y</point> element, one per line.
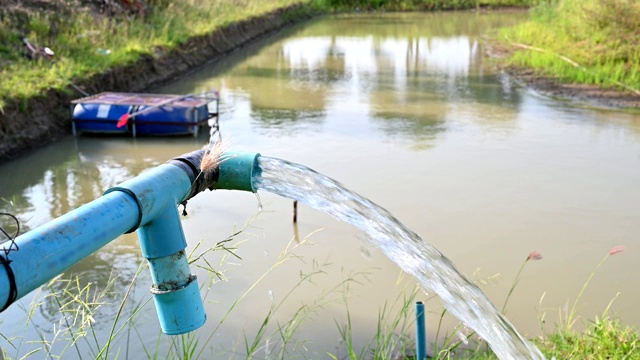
<point>295,211</point>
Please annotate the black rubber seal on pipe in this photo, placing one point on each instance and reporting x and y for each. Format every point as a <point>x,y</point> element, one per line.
<point>200,180</point>
<point>13,288</point>
<point>133,195</point>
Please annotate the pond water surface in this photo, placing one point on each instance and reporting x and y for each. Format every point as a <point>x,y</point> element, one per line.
<point>404,109</point>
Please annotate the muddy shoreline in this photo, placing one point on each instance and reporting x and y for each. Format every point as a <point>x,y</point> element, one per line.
<point>585,95</point>
<point>579,94</point>
<point>25,125</point>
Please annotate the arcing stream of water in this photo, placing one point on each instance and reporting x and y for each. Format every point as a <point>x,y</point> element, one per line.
<point>415,256</point>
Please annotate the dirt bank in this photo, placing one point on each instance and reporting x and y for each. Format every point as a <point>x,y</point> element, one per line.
<point>587,95</point>
<point>28,124</point>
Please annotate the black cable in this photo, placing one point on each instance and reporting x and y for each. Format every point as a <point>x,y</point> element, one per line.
<point>6,262</point>
<point>13,288</point>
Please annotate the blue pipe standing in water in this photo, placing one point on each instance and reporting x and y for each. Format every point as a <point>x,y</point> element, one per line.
<point>421,332</point>
<point>148,204</point>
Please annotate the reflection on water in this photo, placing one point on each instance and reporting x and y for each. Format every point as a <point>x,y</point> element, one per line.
<point>405,78</point>
<point>45,185</point>
<point>102,278</point>
<point>404,109</point>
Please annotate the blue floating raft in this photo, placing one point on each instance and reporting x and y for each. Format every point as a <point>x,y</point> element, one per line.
<point>151,114</point>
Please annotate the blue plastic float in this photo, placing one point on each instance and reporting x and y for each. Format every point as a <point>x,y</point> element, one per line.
<point>147,114</point>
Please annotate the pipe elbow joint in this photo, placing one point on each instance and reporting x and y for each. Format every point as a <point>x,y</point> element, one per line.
<point>231,170</point>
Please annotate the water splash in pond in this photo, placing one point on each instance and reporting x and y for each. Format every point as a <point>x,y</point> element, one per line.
<point>433,270</point>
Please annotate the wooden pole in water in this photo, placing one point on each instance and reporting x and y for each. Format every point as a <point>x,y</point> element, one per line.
<point>295,211</point>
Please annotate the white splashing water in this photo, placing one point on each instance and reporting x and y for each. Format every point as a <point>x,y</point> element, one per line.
<point>433,270</point>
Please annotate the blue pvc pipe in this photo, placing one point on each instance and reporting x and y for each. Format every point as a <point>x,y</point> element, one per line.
<point>146,203</point>
<point>175,290</point>
<point>158,191</point>
<point>421,332</point>
<point>52,248</point>
<point>176,294</point>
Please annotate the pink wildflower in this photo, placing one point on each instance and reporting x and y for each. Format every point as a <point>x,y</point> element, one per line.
<point>616,249</point>
<point>534,255</point>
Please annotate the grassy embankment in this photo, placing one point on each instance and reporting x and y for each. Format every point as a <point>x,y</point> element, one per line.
<point>82,37</point>
<point>581,41</point>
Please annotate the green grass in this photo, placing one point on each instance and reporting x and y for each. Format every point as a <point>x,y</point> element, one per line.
<point>581,41</point>
<point>604,338</point>
<point>77,39</point>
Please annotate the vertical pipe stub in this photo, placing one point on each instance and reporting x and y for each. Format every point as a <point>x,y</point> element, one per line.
<point>181,310</point>
<point>176,294</point>
<point>175,290</point>
<point>421,332</point>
